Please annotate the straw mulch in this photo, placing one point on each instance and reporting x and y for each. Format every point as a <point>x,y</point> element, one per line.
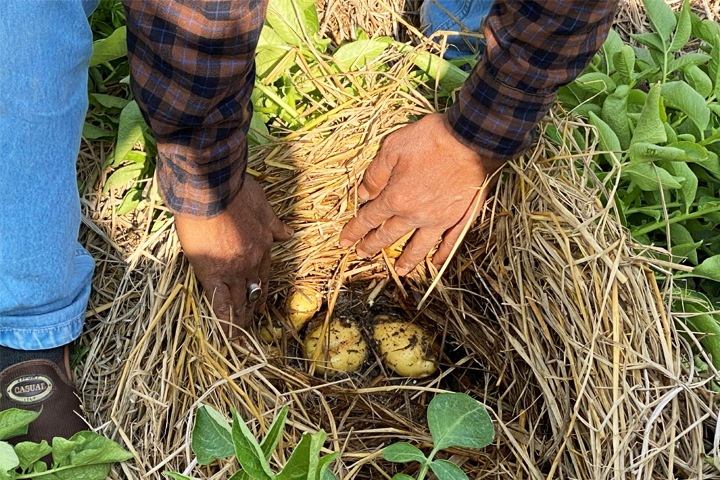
<point>339,19</point>
<point>549,314</point>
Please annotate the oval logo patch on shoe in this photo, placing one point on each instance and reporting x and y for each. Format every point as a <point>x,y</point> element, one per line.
<point>30,389</point>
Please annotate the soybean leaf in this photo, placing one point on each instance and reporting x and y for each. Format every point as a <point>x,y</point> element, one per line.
<point>303,462</point>
<point>613,44</point>
<point>445,470</point>
<point>698,80</point>
<point>29,452</point>
<point>123,175</point>
<point>651,40</point>
<point>211,436</point>
<point>458,420</point>
<point>607,139</point>
<point>131,128</point>
<point>61,450</point>
<point>357,54</point>
<point>614,114</point>
<point>624,61</point>
<point>650,128</point>
<point>8,459</point>
<point>686,60</point>
<point>661,17</point>
<point>14,422</point>
<point>323,466</point>
<point>274,434</point>
<point>132,199</point>
<point>110,48</point>
<point>247,450</point>
<point>402,452</point>
<point>595,82</point>
<point>683,30</point>
<point>683,97</point>
<point>178,476</point>
<point>644,176</point>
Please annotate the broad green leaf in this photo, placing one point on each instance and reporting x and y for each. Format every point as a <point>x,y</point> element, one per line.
<point>355,55</point>
<point>709,269</point>
<point>644,176</point>
<point>61,450</point>
<point>268,57</point>
<point>110,48</point>
<point>29,452</point>
<point>8,459</point>
<point>702,322</point>
<point>686,250</point>
<point>671,135</point>
<point>714,64</point>
<point>177,476</point>
<point>211,436</point>
<point>84,472</point>
<point>647,152</point>
<point>402,452</point>
<point>268,37</point>
<point>130,130</point>
<point>303,462</point>
<point>123,175</point>
<point>683,97</point>
<point>681,237</point>
<point>711,164</point>
<point>587,107</point>
<point>689,184</point>
<point>327,474</point>
<point>14,422</point>
<point>693,151</point>
<point>698,80</point>
<point>247,450</point>
<point>110,101</point>
<point>708,31</point>
<point>687,60</point>
<point>93,449</point>
<point>402,476</point>
<point>636,100</point>
<point>445,470</point>
<point>613,44</point>
<point>445,73</point>
<point>93,132</point>
<point>624,61</point>
<point>651,40</point>
<point>132,199</point>
<point>458,420</point>
<point>607,139</point>
<point>595,82</point>
<point>650,128</point>
<point>614,114</point>
<point>258,133</point>
<point>643,55</point>
<point>661,18</point>
<point>683,30</point>
<point>274,434</point>
<point>283,18</point>
<point>323,467</point>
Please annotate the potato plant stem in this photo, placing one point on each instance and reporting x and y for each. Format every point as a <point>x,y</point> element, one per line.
<point>688,216</point>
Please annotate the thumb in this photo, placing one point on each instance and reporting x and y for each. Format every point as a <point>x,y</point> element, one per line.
<point>377,174</point>
<point>280,231</point>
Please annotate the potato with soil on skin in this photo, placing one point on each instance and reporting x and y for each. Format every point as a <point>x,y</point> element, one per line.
<point>346,348</point>
<point>302,304</point>
<point>270,332</point>
<point>405,347</point>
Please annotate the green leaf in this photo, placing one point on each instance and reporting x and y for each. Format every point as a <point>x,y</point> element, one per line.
<point>268,57</point>
<point>177,476</point>
<point>85,472</point>
<point>698,80</point>
<point>686,250</point>
<point>681,237</point>
<point>693,151</point>
<point>402,452</point>
<point>714,64</point>
<point>303,461</point>
<point>274,434</point>
<point>651,40</point>
<point>643,174</point>
<point>402,476</point>
<point>612,45</point>
<point>283,18</point>
<point>647,152</point>
<point>323,467</point>
<point>93,449</point>
<point>624,61</point>
<point>211,436</point>
<point>445,73</point>
<point>709,269</point>
<point>92,132</point>
<point>29,452</point>
<point>258,133</point>
<point>445,470</point>
<point>14,422</point>
<point>130,131</point>
<point>110,101</point>
<point>686,60</point>
<point>595,82</point>
<point>689,185</point>
<point>268,37</point>
<point>122,176</point>
<point>650,127</point>
<point>661,18</point>
<point>614,114</point>
<point>681,96</point>
<point>702,321</point>
<point>458,420</point>
<point>683,30</point>
<point>132,199</point>
<point>247,450</point>
<point>8,459</point>
<point>711,164</point>
<point>355,55</point>
<point>61,450</point>
<point>110,48</point>
<point>607,139</point>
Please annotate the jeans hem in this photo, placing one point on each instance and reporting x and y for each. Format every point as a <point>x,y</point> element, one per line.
<point>42,338</point>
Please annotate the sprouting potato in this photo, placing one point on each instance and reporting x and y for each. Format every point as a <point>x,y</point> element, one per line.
<point>405,347</point>
<point>346,348</point>
<point>302,304</point>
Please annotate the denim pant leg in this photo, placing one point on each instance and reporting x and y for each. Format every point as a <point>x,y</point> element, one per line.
<point>45,47</point>
<point>470,13</point>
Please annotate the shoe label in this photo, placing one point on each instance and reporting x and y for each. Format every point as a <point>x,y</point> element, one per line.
<point>30,389</point>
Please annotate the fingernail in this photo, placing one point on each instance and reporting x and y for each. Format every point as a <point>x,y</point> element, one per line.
<point>402,271</point>
<point>362,192</point>
<point>362,254</point>
<point>289,231</point>
<point>345,243</point>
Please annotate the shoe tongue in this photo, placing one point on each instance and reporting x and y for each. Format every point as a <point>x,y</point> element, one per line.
<point>10,356</point>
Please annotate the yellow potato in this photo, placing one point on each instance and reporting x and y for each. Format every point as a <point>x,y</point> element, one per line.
<point>302,304</point>
<point>270,333</point>
<point>346,348</point>
<point>405,348</point>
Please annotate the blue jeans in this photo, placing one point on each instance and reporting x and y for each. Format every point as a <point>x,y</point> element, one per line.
<point>45,48</point>
<point>468,12</point>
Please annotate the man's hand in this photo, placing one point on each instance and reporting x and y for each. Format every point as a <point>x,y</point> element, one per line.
<point>232,250</point>
<point>422,179</point>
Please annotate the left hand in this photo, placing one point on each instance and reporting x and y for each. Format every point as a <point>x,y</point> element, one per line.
<point>423,179</point>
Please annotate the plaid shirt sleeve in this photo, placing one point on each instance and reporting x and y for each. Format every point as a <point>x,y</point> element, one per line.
<point>193,70</point>
<point>532,49</point>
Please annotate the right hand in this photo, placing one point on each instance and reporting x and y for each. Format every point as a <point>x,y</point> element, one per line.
<point>232,250</point>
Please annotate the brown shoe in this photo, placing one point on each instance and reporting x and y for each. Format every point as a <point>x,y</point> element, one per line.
<point>46,385</point>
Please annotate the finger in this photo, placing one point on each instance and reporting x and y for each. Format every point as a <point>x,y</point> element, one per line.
<point>368,218</point>
<point>238,295</point>
<point>264,271</point>
<point>450,239</point>
<point>377,174</point>
<point>280,231</point>
<point>220,301</point>
<point>420,245</point>
<point>386,234</point>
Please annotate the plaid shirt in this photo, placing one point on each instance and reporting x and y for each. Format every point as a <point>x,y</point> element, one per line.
<point>192,65</point>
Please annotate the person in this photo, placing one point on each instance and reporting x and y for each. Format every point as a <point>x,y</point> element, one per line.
<point>192,75</point>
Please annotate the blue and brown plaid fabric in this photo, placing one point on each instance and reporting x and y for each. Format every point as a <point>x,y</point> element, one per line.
<point>533,48</point>
<point>192,65</point>
<point>193,70</point>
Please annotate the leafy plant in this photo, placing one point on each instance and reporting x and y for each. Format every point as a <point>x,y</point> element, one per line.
<point>213,439</point>
<point>85,456</point>
<point>455,420</point>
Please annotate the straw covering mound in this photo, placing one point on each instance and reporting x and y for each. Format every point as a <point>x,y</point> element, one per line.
<point>549,314</point>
